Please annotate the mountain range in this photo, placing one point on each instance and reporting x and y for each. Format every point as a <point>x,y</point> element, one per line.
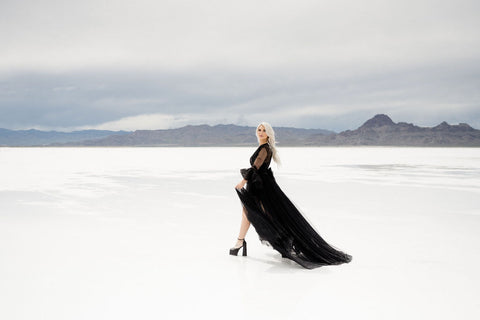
<point>202,136</point>
<point>32,137</point>
<point>377,131</point>
<point>382,131</point>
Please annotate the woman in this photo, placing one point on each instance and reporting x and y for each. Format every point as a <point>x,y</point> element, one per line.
<point>277,221</point>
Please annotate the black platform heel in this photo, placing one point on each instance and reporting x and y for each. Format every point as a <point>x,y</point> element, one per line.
<point>234,251</point>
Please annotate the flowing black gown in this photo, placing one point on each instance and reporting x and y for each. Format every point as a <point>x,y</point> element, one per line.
<point>278,222</point>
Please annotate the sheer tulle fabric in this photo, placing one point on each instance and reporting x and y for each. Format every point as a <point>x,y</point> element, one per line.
<point>278,222</point>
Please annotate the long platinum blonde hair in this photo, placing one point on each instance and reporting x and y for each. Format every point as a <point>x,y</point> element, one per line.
<point>271,141</point>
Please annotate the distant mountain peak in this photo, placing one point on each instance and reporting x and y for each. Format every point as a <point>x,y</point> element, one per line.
<point>462,127</point>
<point>443,125</point>
<point>378,121</point>
<point>465,126</point>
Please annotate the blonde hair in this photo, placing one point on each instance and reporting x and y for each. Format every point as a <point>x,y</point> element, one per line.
<point>271,141</point>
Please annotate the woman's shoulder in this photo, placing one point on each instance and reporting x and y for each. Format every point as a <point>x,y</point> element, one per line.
<point>265,145</point>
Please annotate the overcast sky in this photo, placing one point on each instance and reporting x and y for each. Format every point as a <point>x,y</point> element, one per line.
<point>158,64</point>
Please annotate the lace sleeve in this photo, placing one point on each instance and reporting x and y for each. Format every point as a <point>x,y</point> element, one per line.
<point>247,173</point>
<point>262,155</point>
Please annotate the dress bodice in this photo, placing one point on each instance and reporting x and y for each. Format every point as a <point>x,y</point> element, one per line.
<point>261,159</point>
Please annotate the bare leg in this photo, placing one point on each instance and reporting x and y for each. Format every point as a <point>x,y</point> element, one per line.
<point>245,224</point>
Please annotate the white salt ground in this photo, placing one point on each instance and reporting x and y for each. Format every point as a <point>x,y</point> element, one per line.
<point>144,233</point>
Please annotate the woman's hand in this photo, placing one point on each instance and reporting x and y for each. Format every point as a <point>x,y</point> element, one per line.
<point>240,184</point>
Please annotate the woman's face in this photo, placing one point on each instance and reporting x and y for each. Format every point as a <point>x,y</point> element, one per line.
<point>261,134</point>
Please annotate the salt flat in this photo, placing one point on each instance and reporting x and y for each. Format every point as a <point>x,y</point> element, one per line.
<point>144,233</point>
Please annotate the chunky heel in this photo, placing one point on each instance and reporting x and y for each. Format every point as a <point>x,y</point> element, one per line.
<point>234,251</point>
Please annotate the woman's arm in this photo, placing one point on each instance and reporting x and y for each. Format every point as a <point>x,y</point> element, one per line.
<point>262,155</point>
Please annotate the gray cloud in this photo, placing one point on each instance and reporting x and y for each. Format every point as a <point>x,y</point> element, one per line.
<point>318,64</point>
<point>424,96</point>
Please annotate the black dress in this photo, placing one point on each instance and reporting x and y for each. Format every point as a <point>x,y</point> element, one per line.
<point>278,222</point>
